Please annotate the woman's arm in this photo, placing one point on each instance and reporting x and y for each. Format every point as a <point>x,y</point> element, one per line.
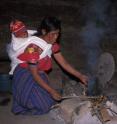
<point>31,56</point>
<point>42,83</point>
<point>65,65</point>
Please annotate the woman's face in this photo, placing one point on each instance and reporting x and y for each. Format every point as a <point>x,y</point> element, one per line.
<point>52,36</point>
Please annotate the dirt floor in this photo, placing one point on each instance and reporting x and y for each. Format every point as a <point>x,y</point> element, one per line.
<point>7,117</point>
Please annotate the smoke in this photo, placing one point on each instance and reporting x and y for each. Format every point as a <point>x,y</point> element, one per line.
<point>95,27</point>
<point>91,35</point>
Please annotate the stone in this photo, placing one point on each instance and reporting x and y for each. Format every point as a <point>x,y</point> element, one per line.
<point>68,108</point>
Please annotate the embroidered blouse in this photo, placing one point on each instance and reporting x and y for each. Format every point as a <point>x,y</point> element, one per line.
<point>31,56</point>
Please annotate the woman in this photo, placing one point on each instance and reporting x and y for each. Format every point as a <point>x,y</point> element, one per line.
<point>31,91</point>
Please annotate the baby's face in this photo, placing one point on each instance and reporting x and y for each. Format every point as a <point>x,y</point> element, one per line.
<point>21,34</point>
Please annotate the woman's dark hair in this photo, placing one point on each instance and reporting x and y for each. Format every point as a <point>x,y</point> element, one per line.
<point>49,24</point>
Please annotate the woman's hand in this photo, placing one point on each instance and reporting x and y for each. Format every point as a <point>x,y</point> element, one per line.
<point>56,95</point>
<point>84,79</point>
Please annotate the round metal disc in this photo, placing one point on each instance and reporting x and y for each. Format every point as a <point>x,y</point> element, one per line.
<point>105,68</point>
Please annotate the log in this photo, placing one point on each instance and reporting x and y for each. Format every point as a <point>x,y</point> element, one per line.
<point>105,115</point>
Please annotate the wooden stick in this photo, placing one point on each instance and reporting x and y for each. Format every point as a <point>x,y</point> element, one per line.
<point>105,115</point>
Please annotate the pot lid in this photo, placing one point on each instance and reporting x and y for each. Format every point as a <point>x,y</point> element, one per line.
<point>105,68</point>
